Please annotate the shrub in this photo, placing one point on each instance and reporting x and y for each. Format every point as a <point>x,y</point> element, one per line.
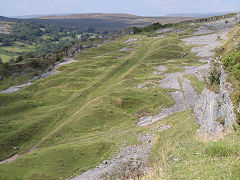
<point>214,77</point>
<point>232,62</point>
<point>229,61</point>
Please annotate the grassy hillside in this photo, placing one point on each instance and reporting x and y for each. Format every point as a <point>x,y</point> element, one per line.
<point>178,154</point>
<point>70,122</point>
<point>84,111</point>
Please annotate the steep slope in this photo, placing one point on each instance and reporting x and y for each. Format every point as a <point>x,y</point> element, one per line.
<point>75,111</point>
<point>70,122</point>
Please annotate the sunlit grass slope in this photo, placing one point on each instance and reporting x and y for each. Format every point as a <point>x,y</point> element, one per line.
<point>79,117</point>
<point>72,121</point>
<point>178,154</point>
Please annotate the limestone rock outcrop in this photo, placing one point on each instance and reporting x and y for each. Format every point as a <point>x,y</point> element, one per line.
<point>215,112</point>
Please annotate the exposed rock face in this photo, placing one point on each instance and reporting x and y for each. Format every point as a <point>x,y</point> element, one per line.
<point>163,128</point>
<point>125,49</point>
<point>159,70</point>
<point>165,30</point>
<point>126,31</point>
<point>78,48</point>
<point>209,19</point>
<point>202,30</point>
<point>215,112</point>
<point>131,40</point>
<point>238,17</point>
<point>206,113</point>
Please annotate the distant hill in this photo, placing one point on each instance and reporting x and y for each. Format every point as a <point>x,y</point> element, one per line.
<point>2,18</point>
<point>99,21</point>
<point>199,15</point>
<point>104,22</point>
<point>36,16</point>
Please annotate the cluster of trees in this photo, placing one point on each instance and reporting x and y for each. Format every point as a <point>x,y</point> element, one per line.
<point>47,38</point>
<point>31,32</point>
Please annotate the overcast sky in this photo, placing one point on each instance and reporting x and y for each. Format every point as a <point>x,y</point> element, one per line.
<point>137,7</point>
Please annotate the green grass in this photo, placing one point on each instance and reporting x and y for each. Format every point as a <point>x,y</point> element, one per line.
<point>76,119</point>
<point>82,113</point>
<point>18,49</point>
<point>198,85</point>
<point>178,154</point>
<point>9,52</point>
<point>64,160</point>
